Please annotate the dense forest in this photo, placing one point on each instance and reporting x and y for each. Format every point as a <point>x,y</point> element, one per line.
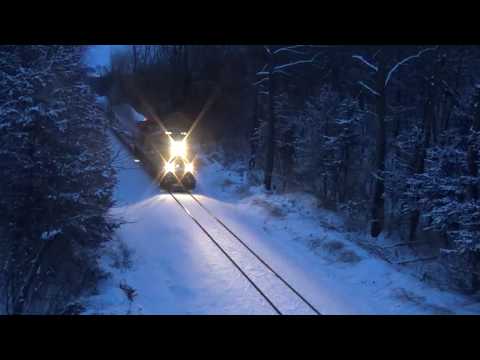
<point>57,180</point>
<point>385,135</point>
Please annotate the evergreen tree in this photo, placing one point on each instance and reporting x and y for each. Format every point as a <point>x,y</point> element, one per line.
<point>57,178</point>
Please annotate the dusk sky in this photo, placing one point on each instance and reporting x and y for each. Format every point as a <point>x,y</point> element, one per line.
<point>99,55</point>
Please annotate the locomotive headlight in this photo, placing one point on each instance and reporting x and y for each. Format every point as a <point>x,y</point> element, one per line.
<point>178,148</point>
<point>169,167</point>
<point>189,168</point>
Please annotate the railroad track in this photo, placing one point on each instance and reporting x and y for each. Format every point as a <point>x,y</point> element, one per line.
<point>281,281</point>
<point>231,258</point>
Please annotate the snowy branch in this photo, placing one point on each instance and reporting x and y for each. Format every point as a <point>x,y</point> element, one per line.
<point>369,88</point>
<point>282,72</point>
<point>291,49</point>
<point>285,66</point>
<point>376,176</point>
<point>260,81</point>
<point>416,260</point>
<point>263,71</point>
<point>362,59</point>
<point>397,65</point>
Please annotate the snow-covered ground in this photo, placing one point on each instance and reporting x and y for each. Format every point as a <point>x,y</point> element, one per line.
<point>176,269</point>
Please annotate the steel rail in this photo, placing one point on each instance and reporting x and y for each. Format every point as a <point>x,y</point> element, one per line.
<point>285,282</point>
<point>226,254</point>
<point>263,262</point>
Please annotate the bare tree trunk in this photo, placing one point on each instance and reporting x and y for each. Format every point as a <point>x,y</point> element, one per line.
<point>429,128</point>
<point>187,76</point>
<point>270,130</point>
<point>253,142</point>
<point>345,167</point>
<point>21,302</point>
<point>473,169</point>
<point>135,58</point>
<point>472,154</point>
<point>421,153</point>
<point>26,232</point>
<point>378,205</point>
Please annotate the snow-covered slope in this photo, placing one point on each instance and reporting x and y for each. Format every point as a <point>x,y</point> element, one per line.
<point>313,251</point>
<point>177,270</point>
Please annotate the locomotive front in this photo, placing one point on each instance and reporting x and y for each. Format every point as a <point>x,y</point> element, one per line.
<point>167,153</point>
<point>178,168</point>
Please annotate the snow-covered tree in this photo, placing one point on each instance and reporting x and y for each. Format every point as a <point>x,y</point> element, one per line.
<point>383,72</point>
<point>326,147</point>
<point>57,180</point>
<point>275,67</point>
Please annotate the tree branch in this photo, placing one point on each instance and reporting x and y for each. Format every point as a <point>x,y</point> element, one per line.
<point>285,66</point>
<point>282,72</point>
<point>369,88</point>
<point>260,81</point>
<point>397,65</point>
<point>263,69</point>
<point>291,49</point>
<point>416,260</point>
<point>362,59</point>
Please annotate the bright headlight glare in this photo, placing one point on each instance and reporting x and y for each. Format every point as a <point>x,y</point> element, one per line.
<point>169,167</point>
<point>189,168</point>
<point>178,148</point>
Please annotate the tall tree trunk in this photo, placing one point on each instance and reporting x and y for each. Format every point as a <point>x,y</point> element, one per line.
<point>135,58</point>
<point>378,205</point>
<point>472,154</point>
<point>421,153</point>
<point>187,76</point>
<point>254,125</point>
<point>271,129</point>
<point>345,167</point>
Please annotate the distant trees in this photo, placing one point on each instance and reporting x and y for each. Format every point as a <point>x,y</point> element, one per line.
<point>417,162</point>
<point>176,78</point>
<point>329,136</point>
<point>57,180</point>
<point>379,90</point>
<point>273,68</point>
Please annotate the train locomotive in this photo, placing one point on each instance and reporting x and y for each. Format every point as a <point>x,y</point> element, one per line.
<point>166,153</point>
